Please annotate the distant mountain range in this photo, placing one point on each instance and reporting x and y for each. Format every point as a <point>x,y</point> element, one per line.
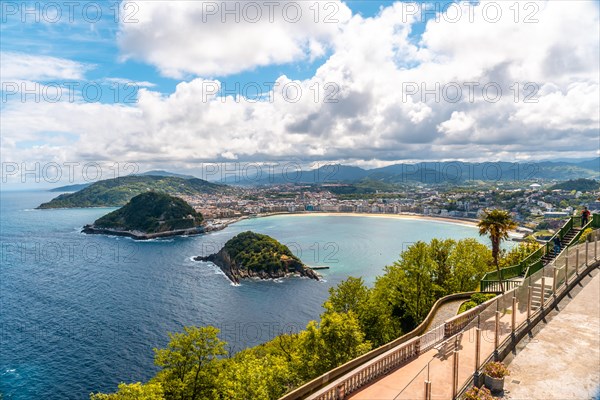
<point>117,192</point>
<point>452,172</point>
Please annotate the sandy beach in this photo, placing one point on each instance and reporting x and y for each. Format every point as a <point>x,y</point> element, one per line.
<point>443,220</point>
<point>449,220</point>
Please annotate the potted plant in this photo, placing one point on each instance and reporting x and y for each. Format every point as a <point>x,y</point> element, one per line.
<point>494,373</point>
<point>476,393</point>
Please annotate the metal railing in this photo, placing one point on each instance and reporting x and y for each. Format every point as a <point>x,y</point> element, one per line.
<point>490,280</point>
<point>337,373</point>
<point>497,328</point>
<point>397,357</point>
<point>357,373</point>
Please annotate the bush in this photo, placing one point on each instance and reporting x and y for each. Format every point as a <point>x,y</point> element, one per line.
<point>586,235</point>
<point>476,393</point>
<point>467,305</point>
<point>496,369</point>
<point>480,298</point>
<point>476,299</point>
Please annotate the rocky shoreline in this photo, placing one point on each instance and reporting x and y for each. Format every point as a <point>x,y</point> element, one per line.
<point>137,235</point>
<point>236,272</point>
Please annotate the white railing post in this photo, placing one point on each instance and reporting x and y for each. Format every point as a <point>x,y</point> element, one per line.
<point>477,349</point>
<point>542,294</point>
<point>514,314</point>
<point>554,279</point>
<point>587,260</point>
<point>497,335</point>
<point>455,374</point>
<point>427,390</point>
<point>529,293</point>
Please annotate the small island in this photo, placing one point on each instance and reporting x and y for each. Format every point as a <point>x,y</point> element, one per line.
<point>253,255</point>
<point>150,215</point>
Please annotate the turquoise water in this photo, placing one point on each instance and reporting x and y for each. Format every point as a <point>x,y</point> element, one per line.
<point>81,313</point>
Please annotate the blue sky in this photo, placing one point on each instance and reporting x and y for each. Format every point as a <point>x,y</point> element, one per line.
<point>376,84</point>
<point>90,39</point>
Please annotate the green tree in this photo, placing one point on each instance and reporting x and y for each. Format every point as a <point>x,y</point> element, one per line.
<point>518,253</point>
<point>440,252</point>
<point>336,339</point>
<point>418,287</point>
<point>496,224</point>
<point>469,261</point>
<point>133,391</point>
<point>349,295</point>
<point>250,375</point>
<point>189,363</point>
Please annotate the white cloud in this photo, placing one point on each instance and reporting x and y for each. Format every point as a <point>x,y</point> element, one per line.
<point>123,81</point>
<point>26,67</point>
<point>190,37</point>
<point>371,62</point>
<point>458,122</point>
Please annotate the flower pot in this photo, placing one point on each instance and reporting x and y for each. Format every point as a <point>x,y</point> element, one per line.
<point>495,385</point>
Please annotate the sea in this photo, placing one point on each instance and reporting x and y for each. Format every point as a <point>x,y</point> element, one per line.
<point>82,313</point>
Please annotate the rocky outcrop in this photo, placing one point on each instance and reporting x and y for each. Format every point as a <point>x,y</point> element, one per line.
<point>94,230</point>
<point>236,271</point>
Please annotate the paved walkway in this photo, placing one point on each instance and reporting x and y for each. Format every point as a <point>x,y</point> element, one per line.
<point>445,312</point>
<point>436,365</point>
<point>562,361</point>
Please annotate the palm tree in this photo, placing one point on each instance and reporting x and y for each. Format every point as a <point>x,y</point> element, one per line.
<point>496,224</point>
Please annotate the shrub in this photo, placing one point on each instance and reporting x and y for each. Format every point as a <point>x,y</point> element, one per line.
<point>586,235</point>
<point>480,298</point>
<point>496,369</point>
<point>467,305</point>
<point>476,299</point>
<point>476,393</point>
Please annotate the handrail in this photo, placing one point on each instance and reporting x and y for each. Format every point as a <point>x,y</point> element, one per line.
<point>394,358</point>
<point>590,224</point>
<point>336,373</point>
<point>516,270</point>
<point>563,287</point>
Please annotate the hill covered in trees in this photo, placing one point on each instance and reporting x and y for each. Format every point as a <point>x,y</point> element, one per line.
<point>582,185</point>
<point>118,191</point>
<point>250,254</point>
<point>149,213</point>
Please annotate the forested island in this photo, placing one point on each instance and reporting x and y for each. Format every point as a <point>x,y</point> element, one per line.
<point>150,215</point>
<point>250,254</point>
<point>118,191</point>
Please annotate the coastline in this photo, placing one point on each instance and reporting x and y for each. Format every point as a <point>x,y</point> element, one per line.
<point>92,230</point>
<point>514,235</point>
<point>214,225</point>
<point>451,220</point>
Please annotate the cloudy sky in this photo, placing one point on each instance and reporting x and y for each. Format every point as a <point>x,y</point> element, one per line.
<point>368,83</point>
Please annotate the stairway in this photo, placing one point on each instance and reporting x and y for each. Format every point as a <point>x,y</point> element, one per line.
<point>565,241</point>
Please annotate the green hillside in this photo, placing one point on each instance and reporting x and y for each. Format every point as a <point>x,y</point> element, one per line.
<point>152,212</point>
<point>256,252</point>
<point>582,185</point>
<point>117,192</point>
